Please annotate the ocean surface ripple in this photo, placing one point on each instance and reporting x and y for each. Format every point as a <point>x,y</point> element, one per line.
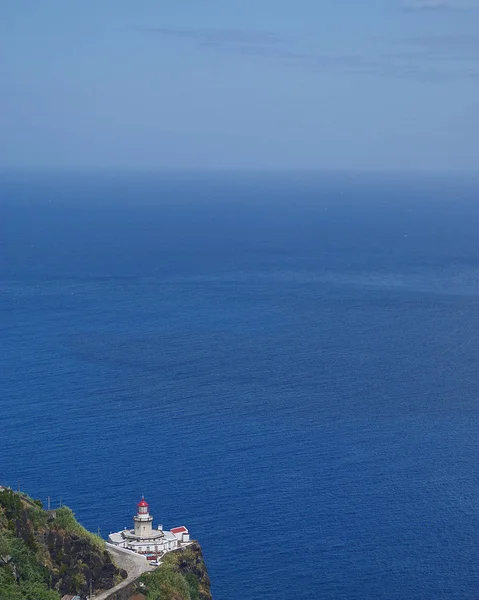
<point>288,366</point>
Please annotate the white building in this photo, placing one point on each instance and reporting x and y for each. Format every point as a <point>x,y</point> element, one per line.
<point>143,539</point>
<point>181,534</point>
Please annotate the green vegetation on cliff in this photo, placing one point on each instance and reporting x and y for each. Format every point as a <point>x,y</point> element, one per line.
<point>65,521</point>
<point>182,576</point>
<point>23,574</point>
<point>46,554</point>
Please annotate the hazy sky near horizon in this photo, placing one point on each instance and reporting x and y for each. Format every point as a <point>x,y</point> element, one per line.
<point>248,84</point>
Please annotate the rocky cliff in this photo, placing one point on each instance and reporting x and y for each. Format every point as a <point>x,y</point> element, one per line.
<point>44,555</point>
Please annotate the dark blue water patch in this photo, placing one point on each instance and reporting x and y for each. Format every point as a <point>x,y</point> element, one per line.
<point>289,367</point>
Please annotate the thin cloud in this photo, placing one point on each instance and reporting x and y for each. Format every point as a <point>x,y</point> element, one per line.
<point>466,43</point>
<point>220,37</point>
<point>428,58</point>
<point>452,56</point>
<point>453,48</point>
<point>380,66</point>
<point>437,5</point>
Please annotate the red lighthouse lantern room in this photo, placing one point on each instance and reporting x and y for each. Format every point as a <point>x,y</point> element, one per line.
<point>143,507</point>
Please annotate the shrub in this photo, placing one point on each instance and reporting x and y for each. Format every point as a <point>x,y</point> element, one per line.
<point>38,517</point>
<point>65,520</point>
<point>11,503</point>
<point>165,584</point>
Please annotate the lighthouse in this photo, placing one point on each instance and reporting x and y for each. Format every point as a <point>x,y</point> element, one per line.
<point>143,539</point>
<point>143,520</point>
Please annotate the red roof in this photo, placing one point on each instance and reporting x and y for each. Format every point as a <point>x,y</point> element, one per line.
<point>181,529</point>
<point>142,503</point>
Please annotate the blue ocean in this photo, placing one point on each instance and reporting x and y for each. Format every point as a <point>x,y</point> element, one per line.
<point>287,364</point>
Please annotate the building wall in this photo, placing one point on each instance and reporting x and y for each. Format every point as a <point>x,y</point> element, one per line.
<point>143,528</point>
<point>152,547</point>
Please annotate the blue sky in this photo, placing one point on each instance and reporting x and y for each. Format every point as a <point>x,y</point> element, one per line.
<point>246,84</point>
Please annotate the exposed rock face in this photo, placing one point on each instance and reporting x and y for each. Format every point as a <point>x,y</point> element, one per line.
<point>75,561</point>
<point>191,561</point>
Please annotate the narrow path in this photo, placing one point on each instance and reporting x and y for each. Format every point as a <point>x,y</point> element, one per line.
<point>133,565</point>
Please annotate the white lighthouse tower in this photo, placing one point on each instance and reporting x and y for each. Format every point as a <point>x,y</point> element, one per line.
<point>143,521</point>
